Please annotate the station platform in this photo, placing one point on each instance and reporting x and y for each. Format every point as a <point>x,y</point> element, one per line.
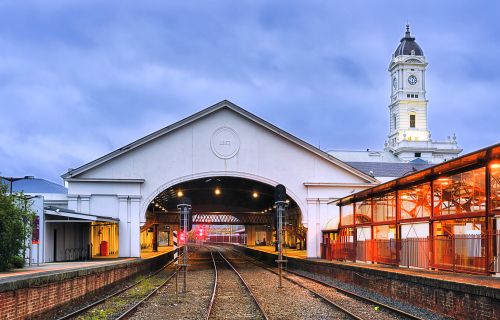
<point>480,280</point>
<point>29,292</point>
<point>60,267</point>
<point>456,295</point>
<point>300,254</point>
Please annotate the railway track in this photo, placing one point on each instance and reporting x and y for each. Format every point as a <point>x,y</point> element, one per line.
<point>125,301</point>
<point>231,297</point>
<point>358,307</point>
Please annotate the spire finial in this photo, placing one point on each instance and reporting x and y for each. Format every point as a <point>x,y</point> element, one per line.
<point>407,34</point>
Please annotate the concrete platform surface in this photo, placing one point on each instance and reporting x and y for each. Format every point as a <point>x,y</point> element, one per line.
<point>60,267</point>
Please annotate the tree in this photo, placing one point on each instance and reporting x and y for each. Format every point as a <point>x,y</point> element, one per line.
<point>16,223</point>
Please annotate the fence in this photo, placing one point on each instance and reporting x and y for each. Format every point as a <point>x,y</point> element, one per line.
<point>235,238</point>
<point>460,253</point>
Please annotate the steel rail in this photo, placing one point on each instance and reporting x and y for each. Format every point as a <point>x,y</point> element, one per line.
<point>212,299</point>
<point>354,295</point>
<point>247,287</point>
<point>328,301</point>
<point>100,301</point>
<point>343,291</point>
<point>135,306</point>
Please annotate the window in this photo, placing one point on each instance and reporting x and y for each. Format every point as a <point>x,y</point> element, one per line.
<point>408,95</point>
<point>346,215</point>
<point>415,202</point>
<point>384,207</point>
<point>416,96</point>
<point>412,120</point>
<point>495,186</point>
<point>394,122</point>
<point>418,154</point>
<point>460,193</point>
<point>364,211</point>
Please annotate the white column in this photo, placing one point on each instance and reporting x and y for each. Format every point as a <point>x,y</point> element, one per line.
<point>313,229</point>
<point>135,227</point>
<point>123,230</point>
<point>85,204</point>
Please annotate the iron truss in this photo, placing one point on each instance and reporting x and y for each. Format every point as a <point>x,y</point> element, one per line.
<point>221,218</point>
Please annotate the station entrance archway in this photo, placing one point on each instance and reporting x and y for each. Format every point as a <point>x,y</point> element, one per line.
<point>223,142</point>
<point>223,201</point>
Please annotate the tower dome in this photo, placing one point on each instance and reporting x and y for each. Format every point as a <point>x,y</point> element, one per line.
<point>408,46</point>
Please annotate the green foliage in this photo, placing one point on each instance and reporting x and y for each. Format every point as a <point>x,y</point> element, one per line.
<point>17,261</point>
<point>16,223</point>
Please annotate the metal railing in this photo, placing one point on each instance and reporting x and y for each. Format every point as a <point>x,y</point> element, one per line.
<point>459,253</point>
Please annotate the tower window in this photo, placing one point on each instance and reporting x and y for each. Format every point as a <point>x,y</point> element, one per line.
<point>418,154</point>
<point>412,121</point>
<point>394,122</point>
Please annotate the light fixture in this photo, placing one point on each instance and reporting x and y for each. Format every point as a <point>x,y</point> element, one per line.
<point>255,194</point>
<point>157,205</point>
<point>180,193</point>
<point>287,200</point>
<point>495,165</point>
<point>217,191</point>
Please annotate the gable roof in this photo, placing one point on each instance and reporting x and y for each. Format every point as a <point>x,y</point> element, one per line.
<point>225,104</point>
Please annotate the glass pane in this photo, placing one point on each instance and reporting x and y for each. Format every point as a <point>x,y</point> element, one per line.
<point>495,186</point>
<point>384,207</point>
<point>364,211</point>
<point>347,215</point>
<point>460,193</point>
<point>415,201</point>
<point>384,232</point>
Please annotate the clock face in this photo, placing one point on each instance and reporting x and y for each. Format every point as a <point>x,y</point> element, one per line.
<point>394,83</point>
<point>412,80</point>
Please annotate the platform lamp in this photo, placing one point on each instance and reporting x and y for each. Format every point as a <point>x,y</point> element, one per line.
<point>184,207</point>
<point>280,202</point>
<point>14,179</point>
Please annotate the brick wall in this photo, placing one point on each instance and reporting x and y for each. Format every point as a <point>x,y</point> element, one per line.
<point>28,298</point>
<point>453,299</point>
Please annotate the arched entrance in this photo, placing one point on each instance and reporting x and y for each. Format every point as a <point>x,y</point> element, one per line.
<point>243,205</point>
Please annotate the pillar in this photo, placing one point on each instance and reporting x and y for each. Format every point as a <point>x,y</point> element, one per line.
<point>123,227</point>
<point>135,227</point>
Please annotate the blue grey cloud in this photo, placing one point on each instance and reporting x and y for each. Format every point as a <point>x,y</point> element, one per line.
<point>81,79</point>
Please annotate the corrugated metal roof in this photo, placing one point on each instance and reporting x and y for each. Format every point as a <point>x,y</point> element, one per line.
<point>35,185</point>
<point>384,169</point>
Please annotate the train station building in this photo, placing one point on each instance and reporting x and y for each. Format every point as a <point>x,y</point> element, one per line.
<point>228,161</point>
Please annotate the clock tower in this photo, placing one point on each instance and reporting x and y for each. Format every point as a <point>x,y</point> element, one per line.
<point>409,136</point>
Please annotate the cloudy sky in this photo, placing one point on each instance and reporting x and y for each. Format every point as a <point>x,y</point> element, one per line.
<point>82,79</point>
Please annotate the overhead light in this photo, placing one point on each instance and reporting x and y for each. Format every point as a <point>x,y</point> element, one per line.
<point>217,191</point>
<point>495,165</point>
<point>255,194</point>
<point>180,193</point>
<point>157,205</point>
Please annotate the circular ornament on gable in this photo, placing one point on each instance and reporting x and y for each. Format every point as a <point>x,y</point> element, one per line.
<point>225,143</point>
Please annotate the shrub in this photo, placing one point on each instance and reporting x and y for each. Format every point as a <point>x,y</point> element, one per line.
<point>16,220</point>
<point>17,261</point>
